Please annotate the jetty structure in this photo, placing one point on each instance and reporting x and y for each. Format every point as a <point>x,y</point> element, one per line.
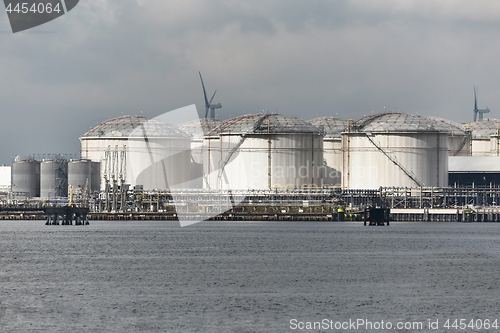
<point>67,213</point>
<point>327,204</point>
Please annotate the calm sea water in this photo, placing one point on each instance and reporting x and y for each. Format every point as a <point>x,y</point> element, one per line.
<point>243,277</point>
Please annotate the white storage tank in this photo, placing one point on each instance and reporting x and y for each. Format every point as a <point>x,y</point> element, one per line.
<point>108,137</point>
<point>484,137</point>
<point>53,178</point>
<point>154,154</point>
<point>332,127</point>
<point>212,159</point>
<point>163,160</point>
<point>197,130</point>
<point>264,151</point>
<point>5,178</point>
<point>26,177</point>
<point>394,149</point>
<point>459,141</point>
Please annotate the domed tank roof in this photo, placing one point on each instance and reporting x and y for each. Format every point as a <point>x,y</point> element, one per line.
<point>258,124</point>
<point>332,127</point>
<point>445,125</point>
<point>483,129</point>
<point>206,125</point>
<point>124,127</point>
<point>397,122</point>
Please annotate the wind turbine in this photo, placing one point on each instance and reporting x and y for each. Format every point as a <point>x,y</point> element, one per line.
<point>209,105</point>
<point>478,111</point>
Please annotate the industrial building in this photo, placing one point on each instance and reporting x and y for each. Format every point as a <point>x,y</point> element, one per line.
<point>263,152</point>
<point>474,171</point>
<point>268,166</point>
<point>481,169</point>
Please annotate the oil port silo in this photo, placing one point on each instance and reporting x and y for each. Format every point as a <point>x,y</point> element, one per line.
<point>197,129</point>
<point>394,149</point>
<point>5,178</point>
<point>80,174</point>
<point>26,177</point>
<point>107,136</point>
<point>263,151</point>
<point>485,134</point>
<point>332,127</point>
<point>53,178</point>
<point>144,152</point>
<point>459,141</point>
<point>95,176</point>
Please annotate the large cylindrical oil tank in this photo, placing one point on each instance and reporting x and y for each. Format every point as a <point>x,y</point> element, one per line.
<point>484,134</point>
<point>495,145</point>
<point>5,178</point>
<point>146,152</point>
<point>212,158</point>
<point>159,156</point>
<point>26,177</point>
<point>79,174</point>
<point>394,149</point>
<point>53,178</point>
<point>197,130</point>
<point>264,151</point>
<point>459,140</point>
<point>109,140</point>
<point>332,127</point>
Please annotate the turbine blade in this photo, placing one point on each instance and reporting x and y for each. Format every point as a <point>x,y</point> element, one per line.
<point>475,99</point>
<point>211,99</point>
<point>204,91</point>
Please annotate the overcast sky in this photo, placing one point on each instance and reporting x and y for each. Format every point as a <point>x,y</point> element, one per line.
<point>305,58</point>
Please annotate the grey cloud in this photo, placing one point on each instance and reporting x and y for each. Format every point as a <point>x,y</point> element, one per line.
<point>303,58</point>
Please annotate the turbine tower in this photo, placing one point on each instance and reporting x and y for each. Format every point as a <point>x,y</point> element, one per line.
<point>478,111</point>
<point>208,104</point>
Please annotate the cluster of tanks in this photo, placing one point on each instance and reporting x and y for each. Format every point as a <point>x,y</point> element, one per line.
<point>274,151</point>
<point>263,151</point>
<point>51,178</point>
